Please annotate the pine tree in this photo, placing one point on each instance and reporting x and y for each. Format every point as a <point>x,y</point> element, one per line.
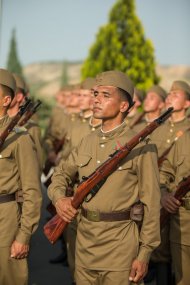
<point>13,63</point>
<point>64,75</point>
<point>121,45</point>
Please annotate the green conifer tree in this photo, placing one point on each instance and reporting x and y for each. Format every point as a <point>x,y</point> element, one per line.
<point>13,63</point>
<point>121,45</point>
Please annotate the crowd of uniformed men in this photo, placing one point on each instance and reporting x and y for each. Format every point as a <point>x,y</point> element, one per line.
<point>105,243</point>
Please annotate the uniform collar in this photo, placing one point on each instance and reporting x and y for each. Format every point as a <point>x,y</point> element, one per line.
<point>115,132</point>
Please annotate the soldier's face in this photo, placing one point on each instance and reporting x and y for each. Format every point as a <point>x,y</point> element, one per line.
<point>152,102</point>
<point>178,100</point>
<point>107,102</point>
<point>85,99</point>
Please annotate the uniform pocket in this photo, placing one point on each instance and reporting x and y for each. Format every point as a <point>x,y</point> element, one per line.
<point>125,165</point>
<point>6,153</point>
<point>83,160</point>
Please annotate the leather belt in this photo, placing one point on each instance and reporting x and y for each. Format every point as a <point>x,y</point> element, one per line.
<point>96,216</point>
<point>7,198</point>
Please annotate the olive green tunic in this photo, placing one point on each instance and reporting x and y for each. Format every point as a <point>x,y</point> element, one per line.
<point>114,245</point>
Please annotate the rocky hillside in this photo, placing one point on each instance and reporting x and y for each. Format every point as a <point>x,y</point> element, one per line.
<point>44,78</point>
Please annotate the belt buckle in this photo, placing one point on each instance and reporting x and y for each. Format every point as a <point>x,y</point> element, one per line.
<point>93,216</point>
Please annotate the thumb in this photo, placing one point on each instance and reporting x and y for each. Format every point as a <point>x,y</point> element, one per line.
<point>132,274</point>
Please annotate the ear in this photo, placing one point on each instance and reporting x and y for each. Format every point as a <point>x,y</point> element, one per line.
<point>7,101</point>
<point>187,104</point>
<point>124,106</point>
<point>19,97</point>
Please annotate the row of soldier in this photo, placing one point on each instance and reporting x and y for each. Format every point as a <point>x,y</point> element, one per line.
<point>90,121</point>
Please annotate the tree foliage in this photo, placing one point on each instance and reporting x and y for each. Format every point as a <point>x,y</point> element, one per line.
<point>13,63</point>
<point>121,45</point>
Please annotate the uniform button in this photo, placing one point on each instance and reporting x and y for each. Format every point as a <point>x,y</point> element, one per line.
<point>1,156</point>
<point>102,145</point>
<point>172,125</point>
<point>98,161</point>
<point>120,168</point>
<point>103,138</point>
<point>81,164</point>
<point>168,141</point>
<point>93,129</point>
<point>84,120</point>
<point>171,130</point>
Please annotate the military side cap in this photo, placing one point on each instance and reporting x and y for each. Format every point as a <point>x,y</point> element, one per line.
<point>88,83</point>
<point>7,79</point>
<point>139,94</point>
<point>20,83</point>
<point>181,85</point>
<point>159,91</point>
<point>117,79</point>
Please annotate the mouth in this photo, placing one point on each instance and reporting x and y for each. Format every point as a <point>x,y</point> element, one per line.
<point>96,109</point>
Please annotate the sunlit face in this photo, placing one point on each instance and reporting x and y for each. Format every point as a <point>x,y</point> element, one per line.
<point>85,99</point>
<point>178,100</point>
<point>107,102</point>
<point>152,102</point>
<point>74,99</point>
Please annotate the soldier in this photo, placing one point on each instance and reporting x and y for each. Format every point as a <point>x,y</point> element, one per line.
<point>31,126</point>
<point>109,248</point>
<point>135,116</point>
<point>19,170</point>
<point>153,106</point>
<point>174,169</point>
<point>164,137</point>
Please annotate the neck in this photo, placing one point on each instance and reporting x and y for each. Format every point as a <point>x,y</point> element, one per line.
<point>13,111</point>
<point>151,116</point>
<point>132,113</point>
<point>178,116</point>
<point>94,121</point>
<point>110,125</point>
<point>3,113</point>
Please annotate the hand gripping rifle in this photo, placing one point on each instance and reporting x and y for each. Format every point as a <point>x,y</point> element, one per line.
<point>182,189</point>
<point>14,122</point>
<point>91,185</point>
<point>32,109</point>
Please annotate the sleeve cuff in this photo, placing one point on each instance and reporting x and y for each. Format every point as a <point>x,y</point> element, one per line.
<point>57,196</point>
<point>144,255</point>
<point>22,237</point>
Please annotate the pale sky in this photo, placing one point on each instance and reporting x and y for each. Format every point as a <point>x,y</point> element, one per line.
<point>53,30</point>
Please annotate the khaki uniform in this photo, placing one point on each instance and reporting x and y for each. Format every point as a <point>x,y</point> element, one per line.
<point>57,128</point>
<point>112,246</point>
<point>133,121</point>
<point>175,168</point>
<point>79,130</point>
<point>19,171</point>
<point>35,133</point>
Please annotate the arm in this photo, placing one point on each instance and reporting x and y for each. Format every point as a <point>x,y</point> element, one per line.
<point>149,194</point>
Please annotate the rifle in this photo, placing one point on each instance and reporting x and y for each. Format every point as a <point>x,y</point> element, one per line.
<point>14,122</point>
<point>48,164</point>
<point>30,112</point>
<point>182,189</point>
<point>91,184</point>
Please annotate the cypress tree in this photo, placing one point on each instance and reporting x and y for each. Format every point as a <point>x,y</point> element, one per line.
<point>122,45</point>
<point>13,63</point>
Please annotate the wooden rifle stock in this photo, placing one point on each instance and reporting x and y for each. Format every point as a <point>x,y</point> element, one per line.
<point>182,189</point>
<point>14,122</point>
<point>33,107</point>
<point>91,185</point>
<point>57,147</point>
